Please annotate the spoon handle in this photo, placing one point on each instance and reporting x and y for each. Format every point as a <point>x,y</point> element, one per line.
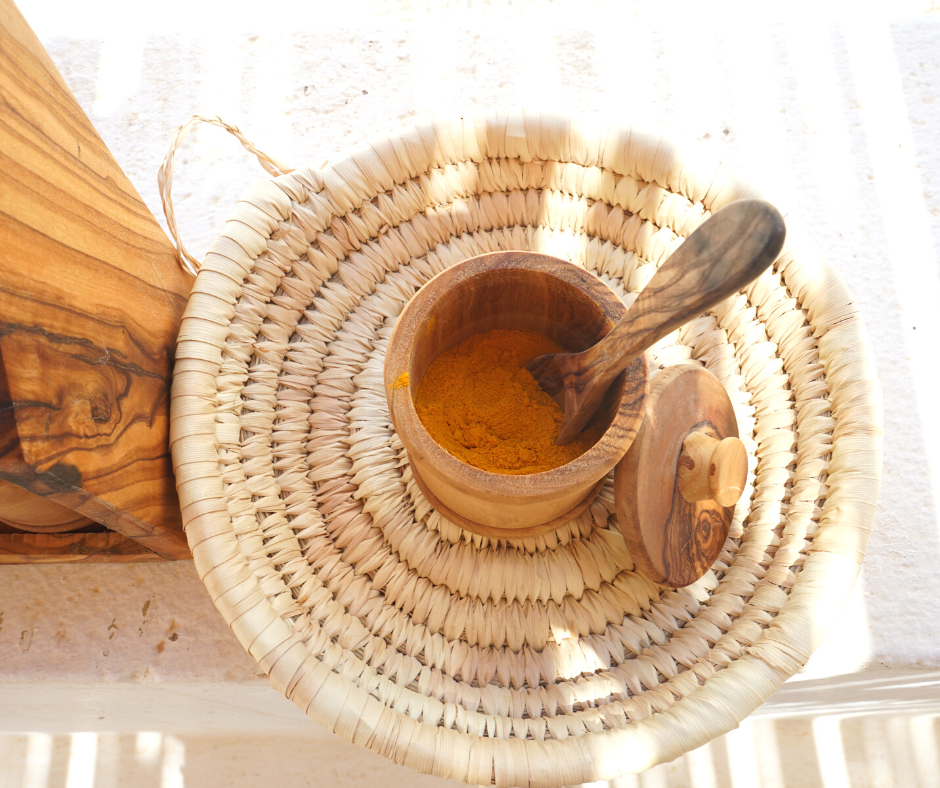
<point>726,253</point>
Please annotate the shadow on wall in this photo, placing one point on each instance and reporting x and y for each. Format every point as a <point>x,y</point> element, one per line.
<point>820,752</point>
<point>890,100</point>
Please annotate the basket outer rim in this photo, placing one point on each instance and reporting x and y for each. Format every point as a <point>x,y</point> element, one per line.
<point>728,696</point>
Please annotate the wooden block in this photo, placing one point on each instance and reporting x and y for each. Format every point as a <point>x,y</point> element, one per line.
<point>91,297</point>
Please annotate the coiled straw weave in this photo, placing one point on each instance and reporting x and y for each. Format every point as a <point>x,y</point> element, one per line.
<point>537,662</point>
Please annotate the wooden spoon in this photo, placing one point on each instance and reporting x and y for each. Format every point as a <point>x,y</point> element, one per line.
<point>728,251</point>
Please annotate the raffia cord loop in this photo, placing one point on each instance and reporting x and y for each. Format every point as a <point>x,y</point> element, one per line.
<point>165,179</point>
<point>543,661</point>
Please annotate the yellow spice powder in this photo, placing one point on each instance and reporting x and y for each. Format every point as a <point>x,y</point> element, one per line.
<point>479,402</point>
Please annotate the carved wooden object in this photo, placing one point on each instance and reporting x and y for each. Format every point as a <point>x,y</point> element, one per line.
<point>528,292</point>
<point>726,253</point>
<point>90,302</point>
<point>712,469</point>
<point>672,540</point>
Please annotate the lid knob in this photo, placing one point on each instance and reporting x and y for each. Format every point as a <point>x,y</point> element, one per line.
<point>710,469</point>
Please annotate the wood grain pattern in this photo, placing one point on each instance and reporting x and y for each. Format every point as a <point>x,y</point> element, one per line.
<point>673,541</point>
<point>24,511</point>
<point>90,302</point>
<point>509,290</point>
<point>71,548</point>
<point>505,533</point>
<point>712,469</point>
<point>727,252</point>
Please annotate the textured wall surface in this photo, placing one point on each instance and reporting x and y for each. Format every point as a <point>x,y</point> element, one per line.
<point>833,107</point>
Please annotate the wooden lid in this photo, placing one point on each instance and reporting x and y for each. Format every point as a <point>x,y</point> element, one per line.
<point>674,540</point>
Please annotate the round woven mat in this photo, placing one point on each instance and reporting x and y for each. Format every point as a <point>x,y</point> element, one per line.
<point>532,662</point>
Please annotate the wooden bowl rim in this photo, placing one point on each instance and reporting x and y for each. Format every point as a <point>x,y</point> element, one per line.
<point>595,463</point>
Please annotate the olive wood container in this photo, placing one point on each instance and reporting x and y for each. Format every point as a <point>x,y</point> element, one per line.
<point>522,291</point>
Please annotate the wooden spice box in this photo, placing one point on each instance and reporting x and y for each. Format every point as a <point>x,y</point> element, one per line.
<point>91,297</point>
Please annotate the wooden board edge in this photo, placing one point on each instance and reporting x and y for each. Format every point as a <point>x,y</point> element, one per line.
<point>71,548</point>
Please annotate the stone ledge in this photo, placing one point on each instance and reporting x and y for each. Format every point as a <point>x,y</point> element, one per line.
<point>209,708</point>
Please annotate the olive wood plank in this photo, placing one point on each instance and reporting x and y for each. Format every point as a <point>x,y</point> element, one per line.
<point>91,297</point>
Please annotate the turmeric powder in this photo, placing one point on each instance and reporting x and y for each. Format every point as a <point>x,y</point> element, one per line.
<point>481,404</point>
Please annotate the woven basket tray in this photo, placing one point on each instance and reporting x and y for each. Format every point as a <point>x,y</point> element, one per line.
<point>536,662</point>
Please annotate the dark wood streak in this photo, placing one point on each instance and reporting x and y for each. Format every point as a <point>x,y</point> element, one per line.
<point>107,398</point>
<point>689,535</point>
<point>59,339</point>
<point>90,302</point>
